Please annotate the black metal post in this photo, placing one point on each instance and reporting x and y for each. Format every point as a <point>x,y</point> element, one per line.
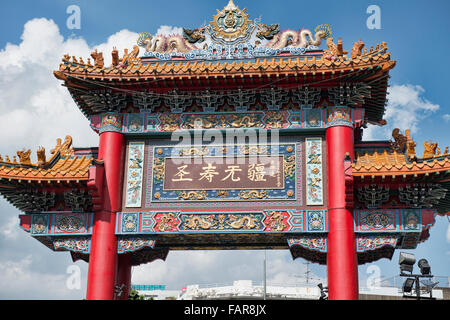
<point>417,288</point>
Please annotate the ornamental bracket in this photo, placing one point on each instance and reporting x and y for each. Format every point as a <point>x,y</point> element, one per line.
<point>95,183</point>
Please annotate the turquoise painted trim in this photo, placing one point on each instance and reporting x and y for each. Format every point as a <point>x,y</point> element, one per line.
<point>388,220</point>
<point>222,222</point>
<point>61,225</point>
<point>304,120</point>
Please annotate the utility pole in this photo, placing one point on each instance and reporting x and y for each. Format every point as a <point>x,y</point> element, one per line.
<point>307,271</point>
<point>265,276</point>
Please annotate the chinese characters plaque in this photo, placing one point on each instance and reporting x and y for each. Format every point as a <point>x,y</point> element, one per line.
<point>211,173</point>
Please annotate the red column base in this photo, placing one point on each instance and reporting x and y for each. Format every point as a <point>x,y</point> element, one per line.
<point>123,279</point>
<point>103,256</point>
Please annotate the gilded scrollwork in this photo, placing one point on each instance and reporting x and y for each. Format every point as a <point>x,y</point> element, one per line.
<point>289,166</point>
<point>195,222</point>
<point>253,194</point>
<point>216,222</point>
<point>244,222</point>
<point>193,195</point>
<point>158,169</point>
<point>246,150</point>
<point>223,194</point>
<point>199,122</point>
<point>243,121</point>
<point>222,121</point>
<point>170,122</point>
<point>275,120</point>
<point>275,221</point>
<point>195,152</point>
<point>166,222</point>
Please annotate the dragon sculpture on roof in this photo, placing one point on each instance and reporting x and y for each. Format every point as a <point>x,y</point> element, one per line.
<point>231,29</point>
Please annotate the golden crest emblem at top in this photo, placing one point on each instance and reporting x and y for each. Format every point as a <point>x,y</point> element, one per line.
<point>231,23</point>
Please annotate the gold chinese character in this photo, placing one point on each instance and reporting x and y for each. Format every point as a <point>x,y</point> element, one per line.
<point>256,172</point>
<point>208,173</point>
<point>231,171</point>
<point>181,173</point>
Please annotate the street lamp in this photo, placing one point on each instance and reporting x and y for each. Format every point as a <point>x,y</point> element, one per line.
<point>424,266</point>
<point>408,285</point>
<point>323,295</point>
<point>406,262</point>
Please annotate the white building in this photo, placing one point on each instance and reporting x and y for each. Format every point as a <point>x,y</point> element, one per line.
<point>247,290</point>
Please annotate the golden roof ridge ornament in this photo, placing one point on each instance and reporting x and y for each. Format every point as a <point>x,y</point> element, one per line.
<point>410,146</point>
<point>231,6</point>
<point>230,35</point>
<point>64,149</point>
<point>230,24</point>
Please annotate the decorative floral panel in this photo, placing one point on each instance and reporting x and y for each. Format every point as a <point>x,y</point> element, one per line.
<point>135,167</point>
<point>314,172</point>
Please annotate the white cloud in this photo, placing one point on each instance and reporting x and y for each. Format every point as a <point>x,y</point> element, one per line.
<point>121,40</point>
<point>222,268</point>
<point>406,108</point>
<point>20,281</point>
<point>11,229</point>
<point>36,109</point>
<point>446,117</point>
<point>169,30</point>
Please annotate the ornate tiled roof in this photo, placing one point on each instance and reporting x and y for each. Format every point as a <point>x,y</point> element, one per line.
<point>64,165</point>
<point>64,169</point>
<point>399,158</point>
<point>394,163</point>
<point>391,159</point>
<point>231,43</point>
<point>230,53</point>
<point>379,58</point>
<point>166,80</point>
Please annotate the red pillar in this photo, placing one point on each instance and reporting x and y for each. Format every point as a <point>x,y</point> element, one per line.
<point>103,256</point>
<point>341,257</point>
<point>123,278</point>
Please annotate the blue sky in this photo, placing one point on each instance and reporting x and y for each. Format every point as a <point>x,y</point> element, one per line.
<point>415,31</point>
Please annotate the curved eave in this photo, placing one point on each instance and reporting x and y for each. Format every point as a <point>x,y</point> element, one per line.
<point>401,169</point>
<point>288,73</point>
<point>64,170</point>
<point>259,67</point>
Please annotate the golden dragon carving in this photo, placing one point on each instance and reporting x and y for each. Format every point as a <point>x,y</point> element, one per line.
<point>193,195</point>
